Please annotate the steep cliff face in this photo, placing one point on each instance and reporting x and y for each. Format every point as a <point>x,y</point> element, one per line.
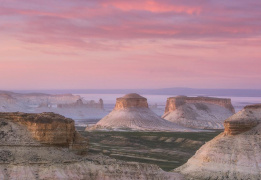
<point>234,154</point>
<point>22,156</point>
<point>131,112</point>
<point>49,128</point>
<point>131,100</point>
<point>198,112</point>
<point>174,102</point>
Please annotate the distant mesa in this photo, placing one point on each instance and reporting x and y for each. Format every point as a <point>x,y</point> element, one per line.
<point>131,112</point>
<point>198,112</point>
<point>80,104</point>
<point>234,154</point>
<point>68,105</point>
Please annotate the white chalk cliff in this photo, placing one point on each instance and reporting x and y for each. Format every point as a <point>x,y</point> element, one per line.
<point>131,112</point>
<point>234,154</point>
<point>198,112</point>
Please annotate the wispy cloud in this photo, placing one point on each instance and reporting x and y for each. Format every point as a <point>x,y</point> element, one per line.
<point>169,40</point>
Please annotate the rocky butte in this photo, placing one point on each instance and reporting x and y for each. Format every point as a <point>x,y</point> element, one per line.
<point>234,154</point>
<point>46,146</point>
<point>131,112</point>
<point>198,112</point>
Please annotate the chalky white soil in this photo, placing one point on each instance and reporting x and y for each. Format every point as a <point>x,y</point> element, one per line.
<point>139,119</point>
<point>199,116</point>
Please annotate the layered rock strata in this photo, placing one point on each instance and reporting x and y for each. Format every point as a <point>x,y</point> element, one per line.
<point>234,154</point>
<point>131,112</point>
<point>50,129</point>
<point>24,157</point>
<point>243,121</point>
<point>198,112</point>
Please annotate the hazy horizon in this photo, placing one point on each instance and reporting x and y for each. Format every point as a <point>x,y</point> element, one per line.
<point>161,91</point>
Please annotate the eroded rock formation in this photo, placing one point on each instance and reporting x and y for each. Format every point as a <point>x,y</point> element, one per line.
<point>234,154</point>
<point>198,112</point>
<point>24,156</point>
<point>51,129</point>
<point>131,112</point>
<point>131,100</point>
<point>243,121</point>
<point>174,103</point>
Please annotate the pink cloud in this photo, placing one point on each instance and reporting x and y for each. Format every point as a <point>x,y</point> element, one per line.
<point>152,6</point>
<point>95,44</point>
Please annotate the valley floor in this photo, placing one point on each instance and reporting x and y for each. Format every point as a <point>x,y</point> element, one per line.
<point>168,150</point>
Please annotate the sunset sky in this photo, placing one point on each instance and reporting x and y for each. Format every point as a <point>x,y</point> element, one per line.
<point>90,44</point>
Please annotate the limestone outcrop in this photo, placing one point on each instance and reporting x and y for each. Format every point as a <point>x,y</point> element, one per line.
<point>198,112</point>
<point>22,156</point>
<point>50,129</point>
<point>131,112</point>
<point>234,154</point>
<point>244,120</point>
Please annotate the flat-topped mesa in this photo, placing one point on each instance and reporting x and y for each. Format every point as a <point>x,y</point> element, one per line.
<point>131,100</point>
<point>244,120</point>
<point>174,102</point>
<point>198,112</point>
<point>50,129</point>
<point>131,112</point>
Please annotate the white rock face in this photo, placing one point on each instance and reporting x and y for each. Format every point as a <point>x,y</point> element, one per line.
<point>230,156</point>
<point>140,119</point>
<point>197,113</point>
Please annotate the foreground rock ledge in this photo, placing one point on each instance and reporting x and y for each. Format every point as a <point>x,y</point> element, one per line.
<point>23,157</point>
<point>50,129</point>
<point>234,154</point>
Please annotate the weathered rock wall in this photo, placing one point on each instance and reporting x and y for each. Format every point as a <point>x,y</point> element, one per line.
<point>51,129</point>
<point>174,102</point>
<point>122,103</point>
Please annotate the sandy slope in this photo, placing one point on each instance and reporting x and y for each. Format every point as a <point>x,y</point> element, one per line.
<point>142,119</point>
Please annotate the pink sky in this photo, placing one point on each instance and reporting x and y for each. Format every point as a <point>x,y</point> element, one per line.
<point>64,44</point>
